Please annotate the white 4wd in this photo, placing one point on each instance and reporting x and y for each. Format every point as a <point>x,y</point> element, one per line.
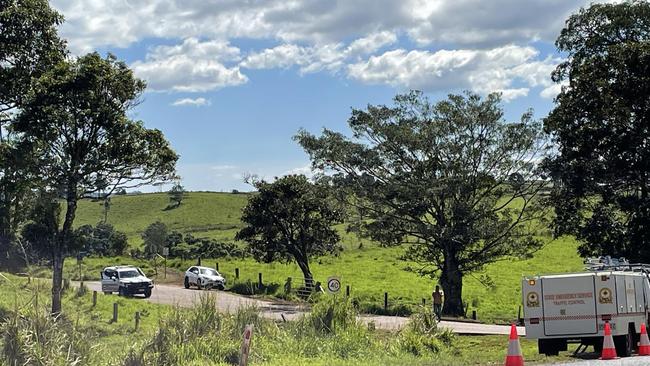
<point>204,277</point>
<point>126,281</point>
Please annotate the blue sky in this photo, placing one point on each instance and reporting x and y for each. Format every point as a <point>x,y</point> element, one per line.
<point>231,81</point>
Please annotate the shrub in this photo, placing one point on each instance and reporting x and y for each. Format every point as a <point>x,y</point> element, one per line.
<point>422,335</point>
<point>333,314</point>
<point>251,288</point>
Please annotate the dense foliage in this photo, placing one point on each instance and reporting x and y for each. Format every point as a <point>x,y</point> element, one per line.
<point>453,180</point>
<point>290,220</point>
<point>600,123</point>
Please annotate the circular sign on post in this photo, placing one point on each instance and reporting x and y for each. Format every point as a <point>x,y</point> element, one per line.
<point>333,284</point>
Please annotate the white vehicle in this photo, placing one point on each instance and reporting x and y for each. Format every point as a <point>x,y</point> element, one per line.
<point>573,307</point>
<point>126,281</point>
<point>204,277</point>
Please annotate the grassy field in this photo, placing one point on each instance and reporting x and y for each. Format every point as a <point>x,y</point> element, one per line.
<point>201,336</point>
<point>369,270</point>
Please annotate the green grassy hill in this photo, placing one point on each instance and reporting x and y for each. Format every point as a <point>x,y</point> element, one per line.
<point>369,270</point>
<point>214,215</point>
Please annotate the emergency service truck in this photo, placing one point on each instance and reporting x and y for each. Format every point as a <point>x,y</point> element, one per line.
<point>573,307</point>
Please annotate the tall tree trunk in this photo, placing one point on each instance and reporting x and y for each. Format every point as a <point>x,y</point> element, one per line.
<point>61,248</point>
<point>451,281</point>
<point>303,263</point>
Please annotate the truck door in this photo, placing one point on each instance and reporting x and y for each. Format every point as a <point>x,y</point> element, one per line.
<point>640,298</point>
<point>569,305</point>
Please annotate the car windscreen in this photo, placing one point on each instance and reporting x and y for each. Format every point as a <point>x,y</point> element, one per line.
<point>208,272</point>
<point>129,273</point>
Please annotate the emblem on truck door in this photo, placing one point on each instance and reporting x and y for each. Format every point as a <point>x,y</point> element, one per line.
<point>605,296</point>
<point>533,300</point>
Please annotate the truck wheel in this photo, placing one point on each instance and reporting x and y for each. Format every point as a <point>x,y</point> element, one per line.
<point>186,283</point>
<point>147,293</point>
<point>623,345</point>
<point>121,292</point>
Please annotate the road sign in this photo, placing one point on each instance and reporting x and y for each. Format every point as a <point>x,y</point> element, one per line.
<point>333,284</point>
<point>246,345</point>
<point>165,251</point>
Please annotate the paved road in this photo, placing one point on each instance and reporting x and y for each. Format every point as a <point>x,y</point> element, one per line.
<point>628,361</point>
<point>179,296</point>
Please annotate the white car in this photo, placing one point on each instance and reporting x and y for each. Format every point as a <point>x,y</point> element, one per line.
<point>204,277</point>
<point>126,281</point>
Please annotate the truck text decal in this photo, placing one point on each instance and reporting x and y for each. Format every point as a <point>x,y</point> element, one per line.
<point>568,299</point>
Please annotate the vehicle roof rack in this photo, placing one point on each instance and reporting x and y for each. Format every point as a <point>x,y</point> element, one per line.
<point>607,263</point>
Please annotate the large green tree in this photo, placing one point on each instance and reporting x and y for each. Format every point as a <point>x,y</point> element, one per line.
<point>75,123</point>
<point>452,180</point>
<point>29,45</point>
<point>601,124</point>
<point>290,220</point>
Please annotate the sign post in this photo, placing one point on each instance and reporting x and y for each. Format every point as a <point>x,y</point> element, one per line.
<point>246,345</point>
<point>333,285</point>
<point>165,253</point>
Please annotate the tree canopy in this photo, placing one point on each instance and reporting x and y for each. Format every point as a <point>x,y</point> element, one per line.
<point>29,46</point>
<point>74,124</point>
<point>451,180</point>
<point>600,124</point>
<point>288,220</point>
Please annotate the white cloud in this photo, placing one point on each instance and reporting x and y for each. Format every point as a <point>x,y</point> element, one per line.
<point>480,70</point>
<point>331,57</point>
<point>304,170</point>
<point>198,102</point>
<point>552,91</point>
<point>91,24</point>
<point>193,66</point>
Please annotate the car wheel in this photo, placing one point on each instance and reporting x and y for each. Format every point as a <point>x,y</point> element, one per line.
<point>107,293</point>
<point>198,284</point>
<point>186,282</point>
<point>147,293</point>
<point>221,287</point>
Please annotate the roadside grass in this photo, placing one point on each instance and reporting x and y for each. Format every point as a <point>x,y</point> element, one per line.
<point>202,336</point>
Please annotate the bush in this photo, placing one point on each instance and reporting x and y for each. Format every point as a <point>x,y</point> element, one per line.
<point>422,335</point>
<point>333,314</point>
<point>250,288</point>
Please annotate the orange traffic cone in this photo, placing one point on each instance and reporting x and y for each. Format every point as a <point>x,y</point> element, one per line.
<point>644,345</point>
<point>514,357</point>
<point>609,352</point>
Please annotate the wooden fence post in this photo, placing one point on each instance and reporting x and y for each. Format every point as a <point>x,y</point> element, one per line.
<point>347,290</point>
<point>217,267</point>
<point>474,314</point>
<point>237,273</point>
<point>94,298</point>
<point>115,312</point>
<point>198,262</point>
<point>137,320</point>
<point>259,275</point>
<point>386,301</point>
<point>424,302</point>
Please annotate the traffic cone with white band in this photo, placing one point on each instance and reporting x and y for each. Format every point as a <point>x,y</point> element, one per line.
<point>644,345</point>
<point>514,357</point>
<point>609,351</point>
